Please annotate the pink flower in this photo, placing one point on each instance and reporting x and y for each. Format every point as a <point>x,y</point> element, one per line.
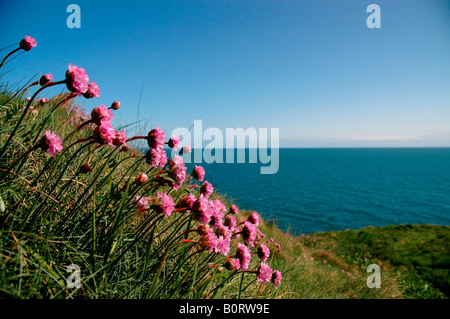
<point>177,170</point>
<point>254,218</point>
<point>264,273</point>
<point>51,143</point>
<point>164,204</point>
<point>276,278</point>
<point>92,91</point>
<point>156,157</point>
<point>141,179</point>
<point>209,241</point>
<point>223,245</point>
<point>198,173</point>
<point>244,256</point>
<point>186,201</point>
<point>156,138</point>
<point>115,105</point>
<point>186,149</point>
<point>43,101</point>
<point>77,80</point>
<point>206,189</point>
<point>101,114</point>
<point>119,138</point>
<point>142,202</point>
<point>234,210</point>
<point>174,142</point>
<point>27,43</point>
<point>231,264</point>
<point>45,79</point>
<point>104,133</point>
<point>200,210</point>
<point>204,229</point>
<point>263,252</point>
<point>230,222</point>
<point>221,230</point>
<point>249,233</point>
<point>216,216</point>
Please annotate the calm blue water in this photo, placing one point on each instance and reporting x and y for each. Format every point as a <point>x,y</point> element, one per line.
<point>338,189</point>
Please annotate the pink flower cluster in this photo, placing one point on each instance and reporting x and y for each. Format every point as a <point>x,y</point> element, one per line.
<point>163,204</point>
<point>45,79</point>
<point>92,91</point>
<point>156,156</point>
<point>77,80</point>
<point>217,225</point>
<point>104,132</point>
<point>198,173</point>
<point>27,43</point>
<point>177,171</point>
<point>174,142</point>
<point>51,143</point>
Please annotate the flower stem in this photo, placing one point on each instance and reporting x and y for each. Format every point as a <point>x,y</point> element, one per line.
<point>9,54</point>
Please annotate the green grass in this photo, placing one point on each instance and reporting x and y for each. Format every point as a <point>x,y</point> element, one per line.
<point>420,254</point>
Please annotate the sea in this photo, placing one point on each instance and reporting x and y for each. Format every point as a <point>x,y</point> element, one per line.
<point>332,189</point>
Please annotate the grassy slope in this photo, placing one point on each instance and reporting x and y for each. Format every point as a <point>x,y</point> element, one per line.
<point>414,262</point>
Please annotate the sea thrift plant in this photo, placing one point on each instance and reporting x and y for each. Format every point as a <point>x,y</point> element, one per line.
<point>254,218</point>
<point>115,105</point>
<point>138,224</point>
<point>198,173</point>
<point>201,210</point>
<point>101,114</point>
<point>77,80</point>
<point>156,157</point>
<point>243,256</point>
<point>276,278</point>
<point>141,179</point>
<point>264,273</point>
<point>156,138</point>
<point>186,202</point>
<point>174,142</point>
<point>104,133</point>
<point>177,171</point>
<point>142,203</point>
<point>27,43</point>
<point>186,149</point>
<point>263,252</point>
<point>92,91</point>
<point>234,210</point>
<point>45,79</point>
<point>249,233</point>
<point>206,189</point>
<point>51,143</point>
<point>119,138</point>
<point>164,204</point>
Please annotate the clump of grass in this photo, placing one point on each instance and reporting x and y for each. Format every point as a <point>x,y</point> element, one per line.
<point>413,259</point>
<point>76,194</point>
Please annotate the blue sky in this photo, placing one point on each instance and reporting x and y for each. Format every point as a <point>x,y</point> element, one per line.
<point>313,69</point>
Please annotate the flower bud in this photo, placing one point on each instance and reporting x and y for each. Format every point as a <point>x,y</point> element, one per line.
<point>115,105</point>
<point>141,179</point>
<point>86,168</point>
<point>45,79</point>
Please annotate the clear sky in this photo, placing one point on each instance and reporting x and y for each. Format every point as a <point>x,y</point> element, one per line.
<point>311,68</point>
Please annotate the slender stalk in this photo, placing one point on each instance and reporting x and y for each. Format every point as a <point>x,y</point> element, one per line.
<point>8,55</point>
